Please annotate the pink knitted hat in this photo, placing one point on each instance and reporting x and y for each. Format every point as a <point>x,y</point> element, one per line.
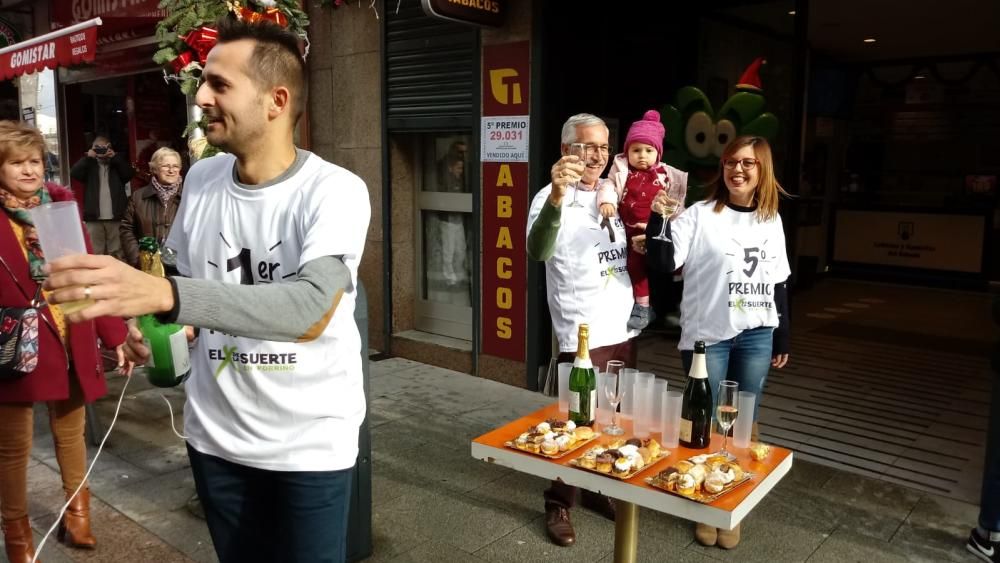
<point>647,130</point>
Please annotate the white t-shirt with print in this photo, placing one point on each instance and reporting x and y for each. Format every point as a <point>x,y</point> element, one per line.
<point>731,262</point>
<point>586,278</point>
<point>280,406</point>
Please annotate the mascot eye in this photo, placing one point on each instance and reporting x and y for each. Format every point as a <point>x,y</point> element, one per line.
<point>725,132</point>
<point>699,134</point>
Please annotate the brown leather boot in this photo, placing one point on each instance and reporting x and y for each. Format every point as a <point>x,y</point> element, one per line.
<point>74,530</point>
<point>729,539</point>
<point>17,540</point>
<point>705,534</point>
<point>559,526</point>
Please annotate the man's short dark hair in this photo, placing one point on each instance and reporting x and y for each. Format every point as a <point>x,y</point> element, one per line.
<point>276,60</point>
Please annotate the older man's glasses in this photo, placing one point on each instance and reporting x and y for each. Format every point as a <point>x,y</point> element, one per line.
<point>746,163</point>
<point>591,150</point>
<point>170,167</point>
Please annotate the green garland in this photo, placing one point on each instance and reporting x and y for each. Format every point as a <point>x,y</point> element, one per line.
<point>187,16</point>
<point>193,19</point>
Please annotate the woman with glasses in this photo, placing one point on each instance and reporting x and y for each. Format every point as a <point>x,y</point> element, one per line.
<point>732,248</point>
<point>151,209</point>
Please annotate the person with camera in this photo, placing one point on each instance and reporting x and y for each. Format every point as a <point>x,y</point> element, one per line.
<point>104,173</point>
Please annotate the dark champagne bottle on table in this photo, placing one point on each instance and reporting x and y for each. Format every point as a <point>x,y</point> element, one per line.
<point>696,409</point>
<point>582,383</point>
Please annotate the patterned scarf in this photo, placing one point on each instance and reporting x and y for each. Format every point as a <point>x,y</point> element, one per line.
<point>166,191</point>
<point>18,211</point>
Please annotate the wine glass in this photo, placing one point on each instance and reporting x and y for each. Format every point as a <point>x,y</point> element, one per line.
<point>668,209</point>
<point>614,366</point>
<point>580,150</point>
<point>727,409</point>
<point>614,393</point>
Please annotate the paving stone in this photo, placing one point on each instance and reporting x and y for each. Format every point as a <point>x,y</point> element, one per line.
<point>861,504</point>
<point>594,540</point>
<point>844,545</point>
<point>452,517</point>
<point>437,551</point>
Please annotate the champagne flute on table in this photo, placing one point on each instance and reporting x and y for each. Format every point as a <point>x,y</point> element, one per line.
<point>579,150</point>
<point>668,209</point>
<point>727,409</point>
<point>614,393</point>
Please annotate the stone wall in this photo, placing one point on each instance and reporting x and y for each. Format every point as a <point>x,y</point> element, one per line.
<point>345,116</point>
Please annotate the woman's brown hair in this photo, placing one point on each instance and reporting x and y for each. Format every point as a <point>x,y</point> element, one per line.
<point>768,189</point>
<point>16,137</point>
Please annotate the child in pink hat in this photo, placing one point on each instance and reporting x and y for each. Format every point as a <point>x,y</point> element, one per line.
<point>636,176</point>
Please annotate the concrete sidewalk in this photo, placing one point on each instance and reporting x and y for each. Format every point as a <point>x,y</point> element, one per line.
<point>433,502</point>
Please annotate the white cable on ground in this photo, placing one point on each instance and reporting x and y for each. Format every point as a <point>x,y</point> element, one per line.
<point>118,409</point>
<point>170,409</point>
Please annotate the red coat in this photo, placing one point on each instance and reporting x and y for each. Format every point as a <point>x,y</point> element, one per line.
<point>50,380</point>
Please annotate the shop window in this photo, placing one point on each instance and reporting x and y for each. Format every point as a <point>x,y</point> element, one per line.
<point>444,227</point>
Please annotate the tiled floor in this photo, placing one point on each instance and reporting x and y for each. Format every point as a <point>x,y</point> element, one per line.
<point>886,381</point>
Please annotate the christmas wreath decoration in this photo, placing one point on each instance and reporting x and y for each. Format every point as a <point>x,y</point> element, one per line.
<point>186,35</point>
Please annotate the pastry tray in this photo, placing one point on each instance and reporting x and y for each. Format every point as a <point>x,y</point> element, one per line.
<point>663,455</point>
<point>700,495</point>
<point>579,444</point>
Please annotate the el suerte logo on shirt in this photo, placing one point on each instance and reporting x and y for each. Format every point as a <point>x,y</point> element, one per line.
<point>231,356</point>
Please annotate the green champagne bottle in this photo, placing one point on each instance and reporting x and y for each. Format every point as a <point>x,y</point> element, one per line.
<point>169,361</point>
<point>582,383</point>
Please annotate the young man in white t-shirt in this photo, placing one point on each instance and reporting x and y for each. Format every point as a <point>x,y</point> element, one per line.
<point>586,280</point>
<point>269,258</point>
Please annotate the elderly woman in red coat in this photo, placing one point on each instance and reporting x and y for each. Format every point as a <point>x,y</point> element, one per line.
<point>69,372</point>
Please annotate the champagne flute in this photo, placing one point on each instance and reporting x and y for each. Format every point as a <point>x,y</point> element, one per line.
<point>579,150</point>
<point>614,366</point>
<point>668,209</point>
<point>614,393</point>
<point>727,409</point>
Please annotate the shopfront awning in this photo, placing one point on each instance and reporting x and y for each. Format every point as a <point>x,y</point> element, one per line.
<point>67,46</point>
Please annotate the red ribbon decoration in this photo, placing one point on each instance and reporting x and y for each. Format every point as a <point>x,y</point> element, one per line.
<point>181,61</point>
<point>202,40</point>
<point>274,15</point>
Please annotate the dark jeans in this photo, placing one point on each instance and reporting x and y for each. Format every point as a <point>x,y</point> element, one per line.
<point>989,505</point>
<point>745,359</point>
<point>255,515</point>
<point>559,493</point>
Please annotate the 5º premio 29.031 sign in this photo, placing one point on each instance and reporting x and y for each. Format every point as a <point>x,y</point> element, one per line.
<point>488,13</point>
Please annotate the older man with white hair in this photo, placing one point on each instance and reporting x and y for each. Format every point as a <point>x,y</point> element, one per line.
<point>586,278</point>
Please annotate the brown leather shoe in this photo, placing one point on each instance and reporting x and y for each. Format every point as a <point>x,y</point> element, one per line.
<point>559,527</point>
<point>74,530</point>
<point>729,539</point>
<point>17,540</point>
<point>705,534</point>
<point>600,504</point>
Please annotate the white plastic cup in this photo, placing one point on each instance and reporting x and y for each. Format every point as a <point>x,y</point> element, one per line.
<point>626,381</point>
<point>657,398</point>
<point>603,407</point>
<point>672,420</point>
<point>564,369</point>
<point>643,404</point>
<point>60,231</point>
<point>743,426</point>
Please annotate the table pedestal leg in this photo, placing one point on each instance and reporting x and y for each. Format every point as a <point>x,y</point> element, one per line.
<point>626,532</point>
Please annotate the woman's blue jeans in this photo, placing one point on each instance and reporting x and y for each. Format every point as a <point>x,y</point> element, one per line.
<point>745,359</point>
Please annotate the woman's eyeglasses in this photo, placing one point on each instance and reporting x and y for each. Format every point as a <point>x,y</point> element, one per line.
<point>746,163</point>
<point>170,167</point>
